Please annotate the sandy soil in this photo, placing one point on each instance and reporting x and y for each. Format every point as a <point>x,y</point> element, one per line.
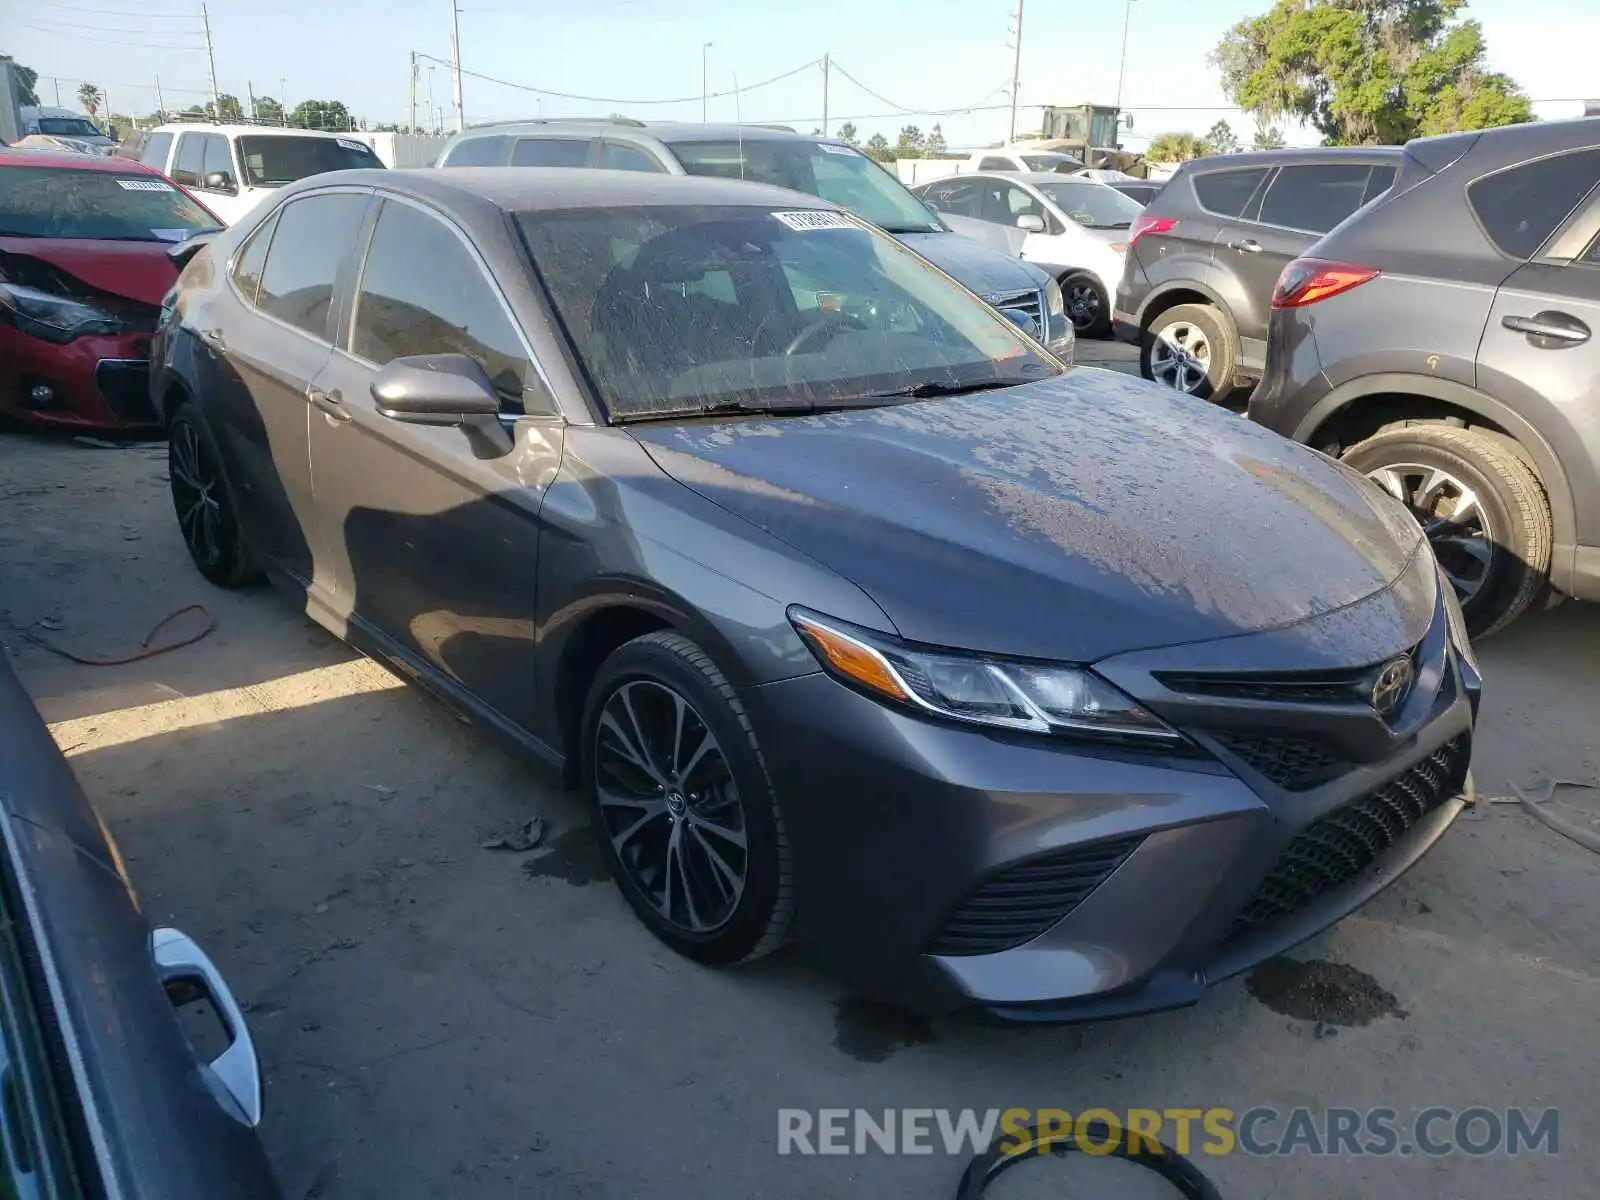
<point>436,1020</point>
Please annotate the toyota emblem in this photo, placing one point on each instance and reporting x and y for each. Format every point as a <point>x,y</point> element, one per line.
<point>1393,685</point>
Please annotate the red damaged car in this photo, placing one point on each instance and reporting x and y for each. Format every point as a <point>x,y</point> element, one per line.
<point>83,269</point>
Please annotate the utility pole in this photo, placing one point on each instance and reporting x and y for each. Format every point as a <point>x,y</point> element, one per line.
<point>283,101</point>
<point>455,50</point>
<point>250,90</point>
<point>705,86</point>
<point>827,64</point>
<point>1122,72</point>
<point>161,107</point>
<point>431,125</point>
<point>57,82</point>
<point>216,94</point>
<point>1016,71</point>
<point>411,87</point>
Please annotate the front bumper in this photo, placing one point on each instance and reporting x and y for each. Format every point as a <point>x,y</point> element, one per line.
<point>97,382</point>
<point>907,834</point>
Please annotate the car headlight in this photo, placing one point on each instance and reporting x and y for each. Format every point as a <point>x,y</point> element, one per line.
<point>1455,620</point>
<point>1054,300</point>
<point>53,318</point>
<point>976,688</point>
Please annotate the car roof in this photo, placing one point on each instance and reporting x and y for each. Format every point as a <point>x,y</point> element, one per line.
<point>1279,158</point>
<point>12,156</point>
<point>667,132</point>
<point>537,189</point>
<point>268,130</point>
<point>1037,177</point>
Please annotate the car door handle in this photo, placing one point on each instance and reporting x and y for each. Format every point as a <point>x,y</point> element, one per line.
<point>213,340</point>
<point>1248,246</point>
<point>1549,330</point>
<point>328,403</point>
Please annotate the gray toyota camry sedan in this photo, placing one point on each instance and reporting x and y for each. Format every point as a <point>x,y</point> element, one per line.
<point>857,617</point>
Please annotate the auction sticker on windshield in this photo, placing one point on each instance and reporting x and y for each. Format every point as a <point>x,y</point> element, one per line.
<point>358,147</point>
<point>143,185</point>
<point>807,220</point>
<point>831,148</point>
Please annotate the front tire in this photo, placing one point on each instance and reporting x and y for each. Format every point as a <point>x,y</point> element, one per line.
<point>1481,506</point>
<point>1190,348</point>
<point>207,516</point>
<point>681,803</point>
<point>1087,306</point>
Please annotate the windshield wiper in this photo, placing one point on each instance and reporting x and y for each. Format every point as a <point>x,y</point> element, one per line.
<point>720,409</point>
<point>931,388</point>
<point>898,229</point>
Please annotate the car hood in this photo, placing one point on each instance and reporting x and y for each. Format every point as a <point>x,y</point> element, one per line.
<point>1073,518</point>
<point>134,270</point>
<point>985,271</point>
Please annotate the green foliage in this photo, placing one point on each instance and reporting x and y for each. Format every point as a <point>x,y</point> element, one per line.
<point>1221,140</point>
<point>849,133</point>
<point>268,109</point>
<point>227,108</point>
<point>1176,147</point>
<point>1367,72</point>
<point>90,97</point>
<point>878,147</point>
<point>937,147</point>
<point>1268,136</point>
<point>25,81</point>
<point>320,114</point>
<point>911,144</point>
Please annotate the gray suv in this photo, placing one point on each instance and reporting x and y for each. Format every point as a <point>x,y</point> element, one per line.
<point>1204,257</point>
<point>1442,343</point>
<point>831,169</point>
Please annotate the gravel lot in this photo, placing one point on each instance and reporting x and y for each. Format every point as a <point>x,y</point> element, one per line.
<point>438,1019</point>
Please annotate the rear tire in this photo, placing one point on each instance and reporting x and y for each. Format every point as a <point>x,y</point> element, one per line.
<point>203,503</point>
<point>660,700</point>
<point>1499,552</point>
<point>1193,349</point>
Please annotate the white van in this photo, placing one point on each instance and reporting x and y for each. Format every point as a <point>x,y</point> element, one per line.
<point>232,168</point>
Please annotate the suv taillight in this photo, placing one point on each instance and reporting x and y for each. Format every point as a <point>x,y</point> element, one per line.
<point>1144,225</point>
<point>1308,280</point>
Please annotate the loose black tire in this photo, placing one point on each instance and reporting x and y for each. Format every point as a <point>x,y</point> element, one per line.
<point>1510,496</point>
<point>760,920</point>
<point>1096,322</point>
<point>224,559</point>
<point>1221,340</point>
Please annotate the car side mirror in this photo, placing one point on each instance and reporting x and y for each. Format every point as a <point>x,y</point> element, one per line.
<point>219,181</point>
<point>1030,223</point>
<point>1022,319</point>
<point>443,389</point>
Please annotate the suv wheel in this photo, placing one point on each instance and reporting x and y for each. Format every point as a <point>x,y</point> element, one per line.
<point>1482,509</point>
<point>1191,349</point>
<point>1086,305</point>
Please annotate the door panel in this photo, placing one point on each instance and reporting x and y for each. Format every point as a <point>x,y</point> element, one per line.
<point>1552,379</point>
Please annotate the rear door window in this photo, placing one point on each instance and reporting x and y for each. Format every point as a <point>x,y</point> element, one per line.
<point>313,237</point>
<point>479,152</point>
<point>551,152</point>
<point>191,159</point>
<point>1519,208</point>
<point>1225,193</point>
<point>616,156</point>
<point>154,152</point>
<point>217,161</point>
<point>1315,196</point>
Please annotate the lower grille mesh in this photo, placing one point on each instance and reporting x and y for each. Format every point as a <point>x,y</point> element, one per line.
<point>1343,844</point>
<point>1018,904</point>
<point>1294,764</point>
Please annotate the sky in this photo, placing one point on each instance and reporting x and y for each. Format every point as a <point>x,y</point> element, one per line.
<point>928,55</point>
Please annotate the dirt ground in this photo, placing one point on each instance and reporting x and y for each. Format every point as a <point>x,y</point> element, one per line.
<point>441,1020</point>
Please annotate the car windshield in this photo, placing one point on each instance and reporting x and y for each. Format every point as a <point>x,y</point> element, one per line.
<point>1093,205</point>
<point>837,173</point>
<point>54,202</point>
<point>1050,162</point>
<point>272,160</point>
<point>682,311</point>
<point>76,127</point>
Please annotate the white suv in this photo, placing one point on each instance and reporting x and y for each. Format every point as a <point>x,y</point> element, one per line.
<point>232,168</point>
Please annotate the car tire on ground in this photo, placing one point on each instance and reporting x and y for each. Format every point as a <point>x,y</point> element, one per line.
<point>207,517</point>
<point>1191,348</point>
<point>1500,552</point>
<point>1088,306</point>
<point>675,781</point>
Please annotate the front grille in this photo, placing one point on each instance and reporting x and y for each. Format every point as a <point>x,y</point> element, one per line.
<point>1031,303</point>
<point>1342,686</point>
<point>1343,844</point>
<point>126,388</point>
<point>1294,764</point>
<point>1018,904</point>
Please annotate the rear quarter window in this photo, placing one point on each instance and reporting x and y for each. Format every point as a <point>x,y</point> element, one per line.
<point>1226,193</point>
<point>478,152</point>
<point>1520,207</point>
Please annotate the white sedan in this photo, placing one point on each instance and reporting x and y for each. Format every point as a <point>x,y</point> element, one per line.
<point>1073,227</point>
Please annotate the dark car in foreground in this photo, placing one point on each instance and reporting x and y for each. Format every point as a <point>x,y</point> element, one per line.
<point>854,613</point>
<point>83,269</point>
<point>825,167</point>
<point>1205,254</point>
<point>1444,343</point>
<point>106,1093</point>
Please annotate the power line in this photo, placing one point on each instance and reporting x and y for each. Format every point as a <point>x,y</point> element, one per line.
<point>109,42</point>
<point>523,87</point>
<point>64,25</point>
<point>111,12</point>
<point>918,112</point>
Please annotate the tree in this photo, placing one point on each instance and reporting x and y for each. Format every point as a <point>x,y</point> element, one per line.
<point>268,109</point>
<point>320,114</point>
<point>878,147</point>
<point>937,147</point>
<point>1175,147</point>
<point>911,142</point>
<point>849,133</point>
<point>89,96</point>
<point>1367,72</point>
<point>24,82</point>
<point>1220,138</point>
<point>1268,136</point>
<point>227,108</point>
